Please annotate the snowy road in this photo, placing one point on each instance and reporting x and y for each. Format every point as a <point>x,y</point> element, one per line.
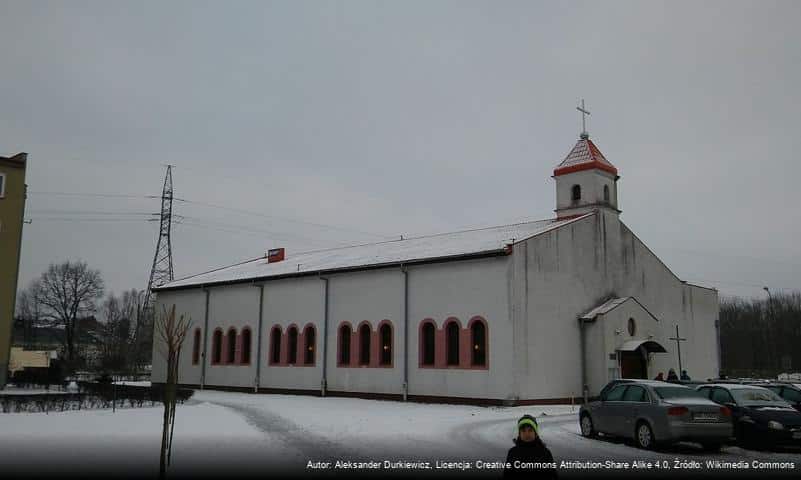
<point>219,433</point>
<point>333,429</point>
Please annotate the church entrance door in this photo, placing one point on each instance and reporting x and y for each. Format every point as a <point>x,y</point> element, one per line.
<point>633,365</point>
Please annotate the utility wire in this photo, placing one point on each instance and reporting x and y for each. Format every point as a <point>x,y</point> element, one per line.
<point>259,214</point>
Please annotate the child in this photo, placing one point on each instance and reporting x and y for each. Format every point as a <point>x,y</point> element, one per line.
<point>528,449</point>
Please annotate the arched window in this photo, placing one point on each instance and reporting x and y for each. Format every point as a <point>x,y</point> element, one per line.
<point>292,340</point>
<point>245,346</point>
<point>216,347</point>
<point>606,193</point>
<point>231,353</point>
<point>196,347</point>
<point>344,344</point>
<point>478,336</point>
<point>275,346</point>
<point>364,345</point>
<point>576,190</point>
<point>427,343</point>
<point>308,350</point>
<point>452,345</point>
<point>386,344</point>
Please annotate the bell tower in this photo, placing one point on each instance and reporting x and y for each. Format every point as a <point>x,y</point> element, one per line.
<point>585,180</point>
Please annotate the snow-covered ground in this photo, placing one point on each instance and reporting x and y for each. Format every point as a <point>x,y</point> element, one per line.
<point>11,390</point>
<point>94,441</point>
<point>139,383</point>
<point>259,434</point>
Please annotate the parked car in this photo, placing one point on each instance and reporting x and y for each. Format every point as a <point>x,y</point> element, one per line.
<point>653,412</point>
<point>761,417</point>
<point>790,392</point>
<point>611,384</point>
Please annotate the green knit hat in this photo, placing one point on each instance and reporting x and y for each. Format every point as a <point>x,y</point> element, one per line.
<point>528,420</point>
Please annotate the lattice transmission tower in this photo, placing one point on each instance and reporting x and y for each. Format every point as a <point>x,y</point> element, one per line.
<point>162,272</point>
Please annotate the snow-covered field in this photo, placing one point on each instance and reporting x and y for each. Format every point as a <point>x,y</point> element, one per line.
<point>260,434</point>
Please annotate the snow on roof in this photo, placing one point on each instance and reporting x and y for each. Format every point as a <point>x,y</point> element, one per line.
<point>604,308</point>
<point>416,249</point>
<point>583,156</point>
<point>612,304</point>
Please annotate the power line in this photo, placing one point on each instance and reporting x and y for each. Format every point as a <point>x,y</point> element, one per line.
<point>89,212</point>
<point>76,194</point>
<point>259,214</point>
<point>211,205</point>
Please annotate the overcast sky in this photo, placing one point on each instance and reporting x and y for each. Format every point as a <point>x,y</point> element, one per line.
<point>387,118</point>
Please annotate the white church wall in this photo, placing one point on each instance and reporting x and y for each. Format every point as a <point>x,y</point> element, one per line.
<point>572,270</point>
<point>592,184</point>
<point>192,304</point>
<point>371,296</point>
<point>557,291</point>
<point>297,301</point>
<point>694,309</point>
<point>232,306</point>
<point>463,289</point>
<point>615,333</point>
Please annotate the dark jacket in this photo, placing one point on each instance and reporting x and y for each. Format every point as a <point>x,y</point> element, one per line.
<point>535,451</point>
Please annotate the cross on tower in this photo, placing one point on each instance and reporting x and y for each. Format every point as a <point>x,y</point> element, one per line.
<point>584,113</point>
<point>678,340</point>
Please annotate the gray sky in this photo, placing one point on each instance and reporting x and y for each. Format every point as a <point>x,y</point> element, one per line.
<point>401,118</point>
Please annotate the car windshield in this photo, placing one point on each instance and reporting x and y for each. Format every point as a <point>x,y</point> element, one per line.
<point>757,396</point>
<point>667,393</point>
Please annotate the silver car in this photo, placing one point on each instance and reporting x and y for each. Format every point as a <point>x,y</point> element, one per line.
<point>653,412</point>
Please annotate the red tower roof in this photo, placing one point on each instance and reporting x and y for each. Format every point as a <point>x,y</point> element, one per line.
<point>584,156</point>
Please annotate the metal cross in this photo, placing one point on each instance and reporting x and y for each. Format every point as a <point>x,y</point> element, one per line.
<point>678,340</point>
<point>584,113</point>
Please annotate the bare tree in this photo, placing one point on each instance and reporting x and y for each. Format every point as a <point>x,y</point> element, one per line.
<point>29,310</point>
<point>114,335</point>
<point>171,334</point>
<point>67,292</point>
<point>141,321</point>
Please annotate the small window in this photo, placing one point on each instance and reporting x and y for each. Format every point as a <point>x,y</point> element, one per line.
<point>344,344</point>
<point>479,343</point>
<point>428,343</point>
<point>452,347</point>
<point>720,395</point>
<point>2,185</point>
<point>245,346</point>
<point>364,345</point>
<point>793,396</point>
<point>616,394</point>
<point>386,344</point>
<point>196,347</point>
<point>231,353</point>
<point>308,348</point>
<point>216,347</point>
<point>576,193</point>
<point>606,193</point>
<point>635,394</point>
<point>292,342</point>
<point>275,346</point>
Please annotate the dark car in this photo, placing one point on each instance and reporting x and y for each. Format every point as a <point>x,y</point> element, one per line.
<point>789,391</point>
<point>761,417</point>
<point>652,412</point>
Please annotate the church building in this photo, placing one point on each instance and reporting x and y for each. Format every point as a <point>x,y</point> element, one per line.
<point>543,311</point>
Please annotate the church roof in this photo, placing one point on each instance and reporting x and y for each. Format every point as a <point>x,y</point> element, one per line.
<point>439,247</point>
<point>584,156</point>
<point>612,304</point>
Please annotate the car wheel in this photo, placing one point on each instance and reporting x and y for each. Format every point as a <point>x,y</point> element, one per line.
<point>711,447</point>
<point>587,428</point>
<point>644,436</point>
